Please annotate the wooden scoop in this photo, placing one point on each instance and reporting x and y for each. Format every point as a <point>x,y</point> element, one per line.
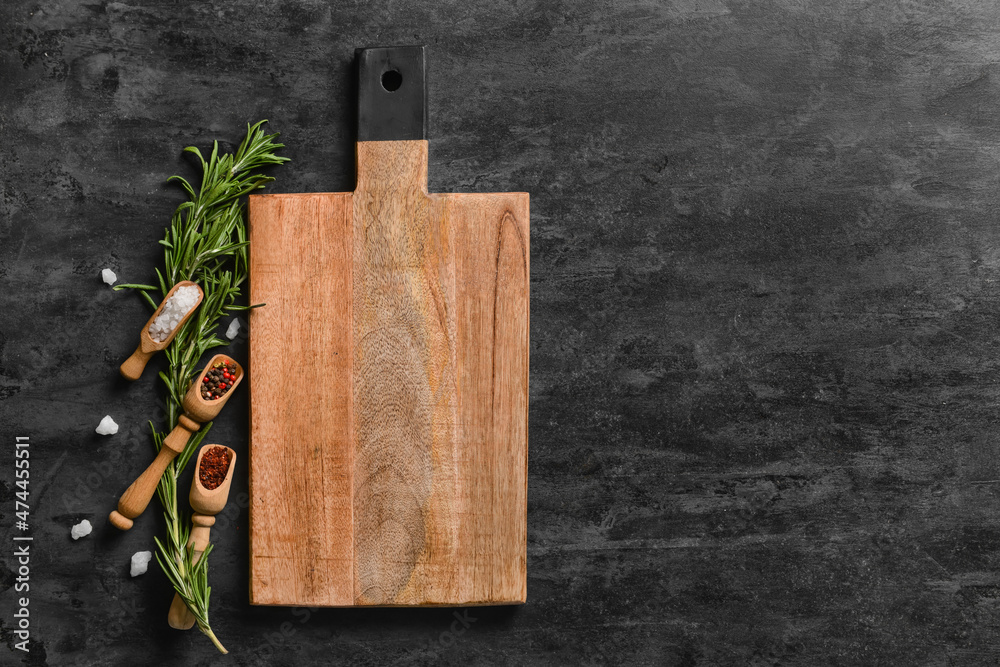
<point>196,411</point>
<point>134,365</point>
<point>206,503</point>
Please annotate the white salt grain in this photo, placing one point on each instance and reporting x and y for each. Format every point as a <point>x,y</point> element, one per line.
<point>174,310</point>
<point>109,276</point>
<point>234,328</point>
<point>140,561</point>
<point>107,426</point>
<point>81,529</point>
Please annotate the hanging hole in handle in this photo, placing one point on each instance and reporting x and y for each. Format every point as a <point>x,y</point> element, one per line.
<point>392,80</point>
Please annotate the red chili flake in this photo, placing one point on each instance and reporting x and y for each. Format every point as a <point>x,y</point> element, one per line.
<point>213,467</point>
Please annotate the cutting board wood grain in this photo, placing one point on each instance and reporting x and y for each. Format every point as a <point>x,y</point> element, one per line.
<point>389,387</point>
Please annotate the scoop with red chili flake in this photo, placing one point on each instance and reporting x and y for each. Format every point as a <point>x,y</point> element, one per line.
<point>218,380</point>
<point>213,467</point>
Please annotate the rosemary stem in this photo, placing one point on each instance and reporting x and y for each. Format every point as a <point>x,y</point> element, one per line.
<point>215,640</point>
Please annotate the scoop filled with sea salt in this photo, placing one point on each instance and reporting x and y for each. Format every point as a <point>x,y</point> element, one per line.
<point>177,306</point>
<point>107,426</point>
<point>180,303</point>
<point>140,561</point>
<point>81,529</point>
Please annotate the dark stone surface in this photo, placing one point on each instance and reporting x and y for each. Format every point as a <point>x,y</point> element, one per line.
<point>764,315</point>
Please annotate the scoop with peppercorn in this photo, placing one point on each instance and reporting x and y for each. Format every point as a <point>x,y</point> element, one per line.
<point>218,380</point>
<point>204,399</point>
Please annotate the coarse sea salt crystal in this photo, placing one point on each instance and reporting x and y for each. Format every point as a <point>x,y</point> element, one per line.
<point>81,529</point>
<point>140,561</point>
<point>174,310</point>
<point>234,328</point>
<point>107,426</point>
<point>108,276</point>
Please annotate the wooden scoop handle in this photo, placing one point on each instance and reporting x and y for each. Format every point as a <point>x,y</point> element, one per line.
<point>179,616</point>
<point>132,367</point>
<point>177,439</point>
<point>137,496</point>
<point>133,502</point>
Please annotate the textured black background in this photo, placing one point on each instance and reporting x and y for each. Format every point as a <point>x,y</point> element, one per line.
<point>764,314</point>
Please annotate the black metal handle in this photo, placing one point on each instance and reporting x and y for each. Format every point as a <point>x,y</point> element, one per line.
<point>392,93</point>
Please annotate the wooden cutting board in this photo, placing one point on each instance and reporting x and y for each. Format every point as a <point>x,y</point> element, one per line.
<point>389,376</point>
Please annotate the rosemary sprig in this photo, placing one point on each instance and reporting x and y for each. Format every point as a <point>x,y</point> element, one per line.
<point>206,242</point>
